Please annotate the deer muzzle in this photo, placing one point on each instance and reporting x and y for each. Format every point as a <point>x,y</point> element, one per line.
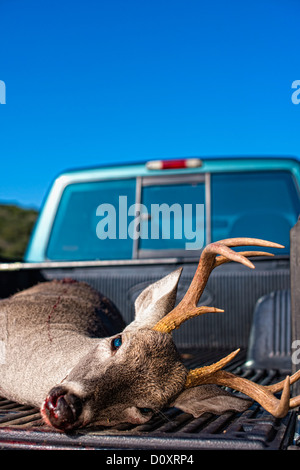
<point>62,409</point>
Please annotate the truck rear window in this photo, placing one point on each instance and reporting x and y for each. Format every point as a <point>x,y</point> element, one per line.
<point>74,233</point>
<point>98,220</point>
<point>255,204</point>
<point>175,218</point>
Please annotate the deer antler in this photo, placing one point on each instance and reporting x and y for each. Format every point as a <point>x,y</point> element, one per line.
<point>260,393</point>
<point>187,308</point>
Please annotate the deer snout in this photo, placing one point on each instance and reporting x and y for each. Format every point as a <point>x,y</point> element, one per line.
<point>62,409</point>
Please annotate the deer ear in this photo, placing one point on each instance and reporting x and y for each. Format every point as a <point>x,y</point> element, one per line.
<point>209,398</point>
<point>156,301</point>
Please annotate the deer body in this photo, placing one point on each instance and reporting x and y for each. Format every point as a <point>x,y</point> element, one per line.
<point>46,330</point>
<point>66,349</point>
<point>59,334</point>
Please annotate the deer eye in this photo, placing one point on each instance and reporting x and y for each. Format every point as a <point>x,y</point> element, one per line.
<point>116,343</point>
<point>145,411</point>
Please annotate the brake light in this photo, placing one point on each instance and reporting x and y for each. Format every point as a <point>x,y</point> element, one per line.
<point>174,164</point>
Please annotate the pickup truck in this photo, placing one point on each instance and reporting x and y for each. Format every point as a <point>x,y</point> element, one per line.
<point>122,227</point>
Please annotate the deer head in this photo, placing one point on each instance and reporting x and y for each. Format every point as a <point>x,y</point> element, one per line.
<point>133,375</point>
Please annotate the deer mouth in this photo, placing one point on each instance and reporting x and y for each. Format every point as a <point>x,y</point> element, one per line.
<point>62,409</point>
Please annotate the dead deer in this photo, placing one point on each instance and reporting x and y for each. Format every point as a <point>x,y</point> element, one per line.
<point>68,352</point>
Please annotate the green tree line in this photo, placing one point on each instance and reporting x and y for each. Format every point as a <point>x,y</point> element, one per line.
<point>16,225</point>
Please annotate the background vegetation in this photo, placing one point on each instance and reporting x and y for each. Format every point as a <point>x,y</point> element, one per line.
<point>16,225</point>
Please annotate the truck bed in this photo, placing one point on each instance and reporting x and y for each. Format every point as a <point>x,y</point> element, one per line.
<point>201,341</point>
<point>255,429</point>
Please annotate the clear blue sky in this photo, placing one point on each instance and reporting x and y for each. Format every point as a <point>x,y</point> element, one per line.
<point>100,81</point>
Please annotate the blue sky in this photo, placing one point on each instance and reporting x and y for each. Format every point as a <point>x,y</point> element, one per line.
<point>104,81</point>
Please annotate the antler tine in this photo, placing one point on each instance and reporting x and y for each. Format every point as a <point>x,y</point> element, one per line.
<point>222,259</point>
<point>249,241</point>
<point>168,324</point>
<point>197,376</point>
<point>261,394</point>
<point>274,388</point>
<point>187,308</point>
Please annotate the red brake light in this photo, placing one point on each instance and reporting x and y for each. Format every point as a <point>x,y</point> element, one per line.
<point>174,164</point>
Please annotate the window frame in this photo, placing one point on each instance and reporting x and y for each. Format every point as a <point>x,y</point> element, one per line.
<point>165,180</point>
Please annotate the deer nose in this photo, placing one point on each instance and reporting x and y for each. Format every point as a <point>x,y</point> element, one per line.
<point>62,409</point>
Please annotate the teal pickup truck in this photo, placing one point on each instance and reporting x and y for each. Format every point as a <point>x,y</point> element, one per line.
<point>121,227</point>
